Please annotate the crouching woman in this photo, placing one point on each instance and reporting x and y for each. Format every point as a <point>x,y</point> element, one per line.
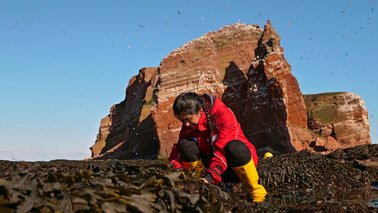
<point>211,135</point>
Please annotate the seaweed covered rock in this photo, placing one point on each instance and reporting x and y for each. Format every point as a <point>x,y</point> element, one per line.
<point>298,182</point>
<point>303,170</point>
<point>362,152</point>
<point>113,186</point>
<point>364,158</point>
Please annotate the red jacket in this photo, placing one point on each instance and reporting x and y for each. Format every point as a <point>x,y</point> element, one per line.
<point>227,129</point>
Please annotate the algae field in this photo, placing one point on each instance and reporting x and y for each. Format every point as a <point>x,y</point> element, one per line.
<point>343,181</point>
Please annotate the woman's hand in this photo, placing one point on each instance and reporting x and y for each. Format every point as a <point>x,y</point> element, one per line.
<point>203,180</point>
<point>207,179</point>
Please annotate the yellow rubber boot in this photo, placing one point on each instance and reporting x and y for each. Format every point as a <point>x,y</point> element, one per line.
<point>197,166</point>
<point>189,165</point>
<point>248,175</point>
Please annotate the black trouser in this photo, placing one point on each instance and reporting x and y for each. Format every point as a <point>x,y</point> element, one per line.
<point>237,154</point>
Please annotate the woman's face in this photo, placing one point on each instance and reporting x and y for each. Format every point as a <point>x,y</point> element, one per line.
<point>190,119</point>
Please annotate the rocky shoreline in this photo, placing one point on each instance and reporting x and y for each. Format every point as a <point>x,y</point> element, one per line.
<point>342,181</point>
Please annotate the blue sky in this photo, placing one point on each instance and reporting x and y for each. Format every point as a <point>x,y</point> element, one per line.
<point>64,63</point>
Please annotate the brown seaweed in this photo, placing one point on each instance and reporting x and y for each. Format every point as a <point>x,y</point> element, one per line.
<point>297,182</point>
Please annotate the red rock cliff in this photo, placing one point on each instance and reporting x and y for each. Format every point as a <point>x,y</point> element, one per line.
<point>127,132</point>
<point>341,119</point>
<point>211,64</point>
<point>243,65</point>
<point>273,105</point>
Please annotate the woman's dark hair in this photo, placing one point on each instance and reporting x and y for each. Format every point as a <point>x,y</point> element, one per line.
<point>188,103</point>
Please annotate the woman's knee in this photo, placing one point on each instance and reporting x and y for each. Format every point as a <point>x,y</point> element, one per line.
<point>189,150</point>
<point>237,153</point>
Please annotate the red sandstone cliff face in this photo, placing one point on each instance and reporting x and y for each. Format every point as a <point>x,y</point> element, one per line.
<point>251,75</point>
<point>211,64</point>
<point>243,65</point>
<point>274,107</point>
<point>127,132</point>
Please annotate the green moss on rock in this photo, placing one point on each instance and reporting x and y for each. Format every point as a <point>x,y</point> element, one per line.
<point>323,107</point>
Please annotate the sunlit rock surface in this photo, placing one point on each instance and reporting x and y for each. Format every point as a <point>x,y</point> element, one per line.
<point>340,118</point>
